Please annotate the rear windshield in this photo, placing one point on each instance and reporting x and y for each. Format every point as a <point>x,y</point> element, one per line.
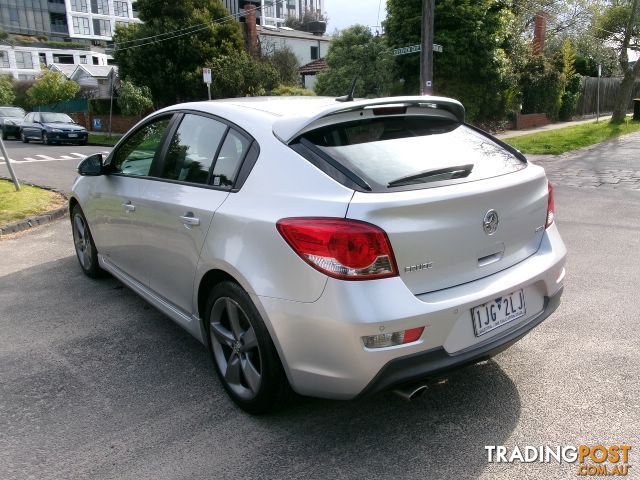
<point>11,112</point>
<point>400,152</point>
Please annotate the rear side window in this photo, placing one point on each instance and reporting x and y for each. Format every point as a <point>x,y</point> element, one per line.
<point>192,149</point>
<point>231,154</point>
<point>412,151</point>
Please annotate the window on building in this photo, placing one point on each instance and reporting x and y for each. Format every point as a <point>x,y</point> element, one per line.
<point>79,6</point>
<point>96,61</point>
<point>121,9</point>
<point>4,59</point>
<point>101,27</point>
<point>83,59</point>
<point>100,6</point>
<point>61,58</point>
<point>81,26</point>
<point>13,15</point>
<point>24,60</point>
<point>314,53</point>
<point>111,61</point>
<point>26,77</point>
<point>42,58</point>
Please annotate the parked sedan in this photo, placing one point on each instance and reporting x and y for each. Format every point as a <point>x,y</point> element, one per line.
<point>336,249</point>
<point>10,121</point>
<point>49,127</point>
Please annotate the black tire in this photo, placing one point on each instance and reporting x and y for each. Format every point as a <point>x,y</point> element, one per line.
<point>23,138</point>
<point>83,143</point>
<point>83,241</point>
<point>228,352</point>
<point>45,139</point>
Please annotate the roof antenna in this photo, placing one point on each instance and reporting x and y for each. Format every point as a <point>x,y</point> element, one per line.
<point>349,97</point>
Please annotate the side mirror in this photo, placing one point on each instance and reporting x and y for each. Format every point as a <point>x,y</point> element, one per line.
<point>91,166</point>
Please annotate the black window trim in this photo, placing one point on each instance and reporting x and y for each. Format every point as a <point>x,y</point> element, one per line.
<point>242,170</point>
<point>340,172</point>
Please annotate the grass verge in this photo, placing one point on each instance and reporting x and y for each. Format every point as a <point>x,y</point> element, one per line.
<point>566,139</point>
<point>29,201</point>
<point>104,138</point>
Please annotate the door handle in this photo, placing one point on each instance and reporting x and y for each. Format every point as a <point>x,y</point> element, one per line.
<point>128,207</point>
<point>190,220</point>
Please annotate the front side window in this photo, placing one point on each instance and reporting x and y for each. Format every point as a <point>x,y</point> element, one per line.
<point>192,149</point>
<point>135,156</point>
<point>24,60</point>
<point>231,154</point>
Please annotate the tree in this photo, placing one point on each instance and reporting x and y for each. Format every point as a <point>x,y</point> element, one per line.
<point>356,52</point>
<point>52,87</point>
<point>619,24</point>
<point>7,95</point>
<point>240,75</point>
<point>134,100</point>
<point>475,66</point>
<point>311,20</point>
<point>286,64</point>
<point>192,35</point>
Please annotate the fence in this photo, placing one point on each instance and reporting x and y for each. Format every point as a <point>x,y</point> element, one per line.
<point>609,87</point>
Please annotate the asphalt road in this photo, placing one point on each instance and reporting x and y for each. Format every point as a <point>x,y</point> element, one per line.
<point>94,383</point>
<point>48,165</point>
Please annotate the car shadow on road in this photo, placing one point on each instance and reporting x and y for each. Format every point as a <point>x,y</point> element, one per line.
<point>113,374</point>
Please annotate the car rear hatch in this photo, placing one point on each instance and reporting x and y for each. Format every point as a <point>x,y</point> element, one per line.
<point>456,204</point>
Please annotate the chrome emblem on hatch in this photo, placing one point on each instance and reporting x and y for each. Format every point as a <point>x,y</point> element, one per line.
<point>490,222</point>
<point>419,267</point>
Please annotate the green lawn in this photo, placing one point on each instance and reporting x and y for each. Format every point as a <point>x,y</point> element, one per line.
<point>571,138</point>
<point>27,202</point>
<point>104,138</point>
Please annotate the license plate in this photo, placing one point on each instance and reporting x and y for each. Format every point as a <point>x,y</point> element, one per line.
<point>73,135</point>
<point>498,312</point>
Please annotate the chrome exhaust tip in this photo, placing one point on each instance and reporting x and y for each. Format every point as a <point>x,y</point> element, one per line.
<point>411,392</point>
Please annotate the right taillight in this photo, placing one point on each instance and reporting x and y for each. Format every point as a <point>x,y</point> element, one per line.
<point>341,248</point>
<point>550,208</point>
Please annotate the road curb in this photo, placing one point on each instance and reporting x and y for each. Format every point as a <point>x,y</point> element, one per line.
<point>34,221</point>
<point>91,144</point>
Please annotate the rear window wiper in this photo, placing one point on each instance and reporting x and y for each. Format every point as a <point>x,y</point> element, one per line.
<point>460,171</point>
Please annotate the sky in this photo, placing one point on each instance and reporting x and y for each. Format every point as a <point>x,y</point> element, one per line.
<point>344,13</point>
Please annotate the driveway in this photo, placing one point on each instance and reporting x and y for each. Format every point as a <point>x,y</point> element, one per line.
<point>94,383</point>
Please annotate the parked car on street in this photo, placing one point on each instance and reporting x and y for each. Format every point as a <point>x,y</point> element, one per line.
<point>50,127</point>
<point>10,121</point>
<point>336,249</point>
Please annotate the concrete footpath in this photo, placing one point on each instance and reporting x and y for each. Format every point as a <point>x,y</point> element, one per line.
<point>552,126</point>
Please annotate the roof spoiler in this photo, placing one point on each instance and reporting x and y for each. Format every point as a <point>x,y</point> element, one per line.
<point>287,129</point>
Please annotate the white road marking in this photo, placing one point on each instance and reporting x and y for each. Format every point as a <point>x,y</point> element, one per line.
<point>64,157</point>
<point>79,155</point>
<point>30,159</point>
<point>46,157</point>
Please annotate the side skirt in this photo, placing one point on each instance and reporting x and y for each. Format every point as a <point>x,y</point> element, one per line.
<point>191,323</point>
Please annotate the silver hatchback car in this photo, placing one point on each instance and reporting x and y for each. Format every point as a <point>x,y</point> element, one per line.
<point>336,249</point>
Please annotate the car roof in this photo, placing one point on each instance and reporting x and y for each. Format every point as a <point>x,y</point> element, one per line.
<point>288,117</point>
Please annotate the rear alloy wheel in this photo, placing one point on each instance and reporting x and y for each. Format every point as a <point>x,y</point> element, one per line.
<point>85,248</point>
<point>24,138</point>
<point>243,354</point>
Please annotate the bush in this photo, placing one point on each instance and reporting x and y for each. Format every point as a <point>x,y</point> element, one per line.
<point>542,88</point>
<point>570,98</point>
<point>285,91</point>
<point>52,87</point>
<point>286,64</point>
<point>7,95</point>
<point>239,75</point>
<point>134,100</point>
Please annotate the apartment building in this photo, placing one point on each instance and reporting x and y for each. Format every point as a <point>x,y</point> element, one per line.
<point>38,27</point>
<point>274,12</point>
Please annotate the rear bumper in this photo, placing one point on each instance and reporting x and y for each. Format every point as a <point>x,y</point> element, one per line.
<point>321,347</point>
<point>435,362</point>
<point>11,129</point>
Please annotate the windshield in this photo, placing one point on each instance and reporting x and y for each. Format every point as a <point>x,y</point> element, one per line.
<point>55,118</point>
<point>12,112</point>
<point>400,151</point>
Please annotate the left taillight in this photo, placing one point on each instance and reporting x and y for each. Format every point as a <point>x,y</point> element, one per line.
<point>341,248</point>
<point>550,207</point>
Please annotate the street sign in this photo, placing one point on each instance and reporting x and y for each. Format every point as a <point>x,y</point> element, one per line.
<point>414,49</point>
<point>206,75</point>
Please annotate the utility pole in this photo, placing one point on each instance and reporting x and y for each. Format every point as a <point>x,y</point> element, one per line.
<point>426,54</point>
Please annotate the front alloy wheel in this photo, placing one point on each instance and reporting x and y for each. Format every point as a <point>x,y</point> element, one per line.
<point>85,248</point>
<point>45,138</point>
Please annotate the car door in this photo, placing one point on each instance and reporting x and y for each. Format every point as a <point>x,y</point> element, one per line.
<point>182,203</point>
<point>117,221</point>
<point>27,124</point>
